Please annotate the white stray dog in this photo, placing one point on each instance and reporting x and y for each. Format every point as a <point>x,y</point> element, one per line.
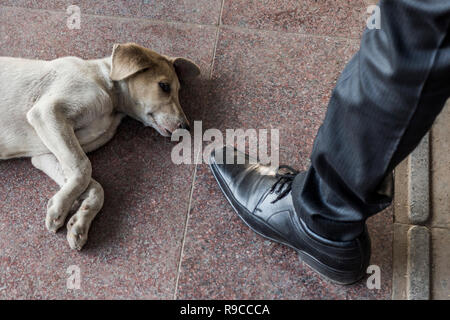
<point>56,111</point>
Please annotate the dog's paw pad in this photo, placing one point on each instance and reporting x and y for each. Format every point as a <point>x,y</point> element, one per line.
<point>77,233</point>
<point>71,222</point>
<point>54,220</point>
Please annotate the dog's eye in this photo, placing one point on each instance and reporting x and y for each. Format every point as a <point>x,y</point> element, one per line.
<point>165,87</point>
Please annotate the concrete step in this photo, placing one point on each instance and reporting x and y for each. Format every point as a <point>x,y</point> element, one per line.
<point>422,218</point>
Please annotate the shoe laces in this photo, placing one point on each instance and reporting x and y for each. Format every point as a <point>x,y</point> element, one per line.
<point>283,185</point>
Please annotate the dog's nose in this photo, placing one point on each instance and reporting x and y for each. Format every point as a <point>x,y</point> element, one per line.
<point>184,125</point>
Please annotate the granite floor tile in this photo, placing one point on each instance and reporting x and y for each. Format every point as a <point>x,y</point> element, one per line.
<point>224,259</point>
<point>134,243</point>
<point>45,35</point>
<point>192,11</point>
<point>272,80</point>
<point>343,18</point>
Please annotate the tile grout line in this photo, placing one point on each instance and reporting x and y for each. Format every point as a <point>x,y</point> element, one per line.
<point>431,227</point>
<point>216,41</point>
<point>300,34</point>
<point>194,176</point>
<point>103,16</point>
<point>186,223</point>
<point>172,22</point>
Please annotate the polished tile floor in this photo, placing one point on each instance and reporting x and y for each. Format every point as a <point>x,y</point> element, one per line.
<point>166,232</point>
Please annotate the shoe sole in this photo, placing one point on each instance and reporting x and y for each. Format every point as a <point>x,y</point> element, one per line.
<point>323,270</point>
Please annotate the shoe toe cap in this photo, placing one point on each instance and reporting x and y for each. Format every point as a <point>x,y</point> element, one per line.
<point>240,176</point>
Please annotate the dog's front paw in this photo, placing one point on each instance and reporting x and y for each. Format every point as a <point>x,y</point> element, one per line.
<point>55,216</point>
<point>77,232</point>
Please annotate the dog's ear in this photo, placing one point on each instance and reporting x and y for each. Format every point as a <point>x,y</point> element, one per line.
<point>128,59</point>
<point>185,68</point>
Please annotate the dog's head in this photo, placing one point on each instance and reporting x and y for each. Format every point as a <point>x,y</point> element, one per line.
<point>153,82</point>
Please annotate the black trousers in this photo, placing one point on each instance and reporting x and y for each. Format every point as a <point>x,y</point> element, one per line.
<point>384,103</point>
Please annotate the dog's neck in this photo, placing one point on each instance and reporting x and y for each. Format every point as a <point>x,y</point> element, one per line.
<point>118,90</point>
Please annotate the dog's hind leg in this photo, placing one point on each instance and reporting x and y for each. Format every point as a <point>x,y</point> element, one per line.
<point>91,201</point>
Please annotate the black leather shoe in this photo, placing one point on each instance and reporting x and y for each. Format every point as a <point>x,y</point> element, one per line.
<point>262,199</point>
